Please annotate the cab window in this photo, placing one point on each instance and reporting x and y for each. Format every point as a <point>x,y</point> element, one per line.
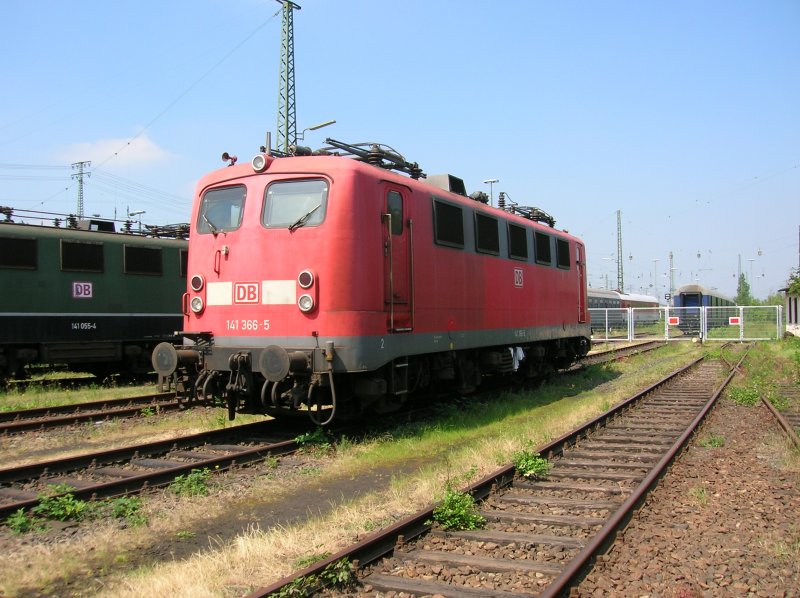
<point>292,204</point>
<point>221,210</point>
<point>394,205</point>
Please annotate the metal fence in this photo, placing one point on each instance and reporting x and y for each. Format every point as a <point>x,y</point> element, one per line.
<point>736,323</point>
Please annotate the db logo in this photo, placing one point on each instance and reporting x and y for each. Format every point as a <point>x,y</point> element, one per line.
<point>518,279</point>
<point>81,290</point>
<point>245,292</point>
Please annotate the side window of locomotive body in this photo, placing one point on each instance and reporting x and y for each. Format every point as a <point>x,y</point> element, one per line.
<point>221,210</point>
<point>18,253</point>
<point>542,248</point>
<point>295,203</point>
<point>394,205</point>
<point>562,254</point>
<point>487,237</point>
<point>143,260</point>
<point>448,224</point>
<point>517,242</point>
<point>80,256</point>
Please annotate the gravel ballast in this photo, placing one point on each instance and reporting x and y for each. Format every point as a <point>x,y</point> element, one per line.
<point>724,521</point>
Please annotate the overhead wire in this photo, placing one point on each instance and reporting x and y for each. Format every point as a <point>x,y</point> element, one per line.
<point>156,118</point>
<point>190,88</point>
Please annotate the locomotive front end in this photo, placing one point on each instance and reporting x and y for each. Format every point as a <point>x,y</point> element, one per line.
<point>251,310</point>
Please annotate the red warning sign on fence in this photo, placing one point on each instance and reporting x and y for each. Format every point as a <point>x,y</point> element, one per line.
<point>734,321</point>
<point>673,320</point>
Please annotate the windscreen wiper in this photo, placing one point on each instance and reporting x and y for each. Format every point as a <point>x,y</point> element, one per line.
<point>302,220</point>
<point>213,228</point>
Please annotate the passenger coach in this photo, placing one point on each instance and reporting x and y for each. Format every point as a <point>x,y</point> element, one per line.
<point>335,283</point>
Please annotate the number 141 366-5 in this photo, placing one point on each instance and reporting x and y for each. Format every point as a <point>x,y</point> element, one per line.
<point>247,324</point>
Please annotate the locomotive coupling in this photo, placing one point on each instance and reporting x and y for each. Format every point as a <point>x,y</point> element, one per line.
<point>166,358</point>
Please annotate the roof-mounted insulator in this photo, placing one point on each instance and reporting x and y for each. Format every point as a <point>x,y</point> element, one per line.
<point>377,154</point>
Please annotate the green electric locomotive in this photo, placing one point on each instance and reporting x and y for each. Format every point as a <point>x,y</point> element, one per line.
<point>88,297</point>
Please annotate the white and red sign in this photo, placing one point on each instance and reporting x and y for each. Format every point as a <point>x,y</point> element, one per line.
<point>734,321</point>
<point>82,290</point>
<point>246,292</point>
<point>673,320</point>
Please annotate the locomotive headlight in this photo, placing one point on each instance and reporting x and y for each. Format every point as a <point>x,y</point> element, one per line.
<point>305,279</point>
<point>259,162</point>
<point>197,282</point>
<point>196,304</point>
<point>305,303</point>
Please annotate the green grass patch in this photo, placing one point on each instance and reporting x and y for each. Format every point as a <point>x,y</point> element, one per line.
<point>699,494</point>
<point>60,504</point>
<point>712,441</point>
<point>194,483</point>
<point>745,395</point>
<point>37,395</point>
<point>527,417</point>
<point>769,366</point>
<point>318,441</point>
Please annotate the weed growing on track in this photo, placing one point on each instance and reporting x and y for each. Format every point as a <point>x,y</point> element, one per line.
<point>745,395</point>
<point>712,441</point>
<point>59,504</point>
<point>531,464</point>
<point>319,442</point>
<point>788,551</point>
<point>337,575</point>
<point>700,494</point>
<point>458,510</point>
<point>194,483</point>
<point>128,508</point>
<point>20,522</point>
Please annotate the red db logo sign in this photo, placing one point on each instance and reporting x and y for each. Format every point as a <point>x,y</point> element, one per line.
<point>245,292</point>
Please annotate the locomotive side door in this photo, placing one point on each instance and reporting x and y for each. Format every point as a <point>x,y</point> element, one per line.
<point>580,263</point>
<point>397,291</point>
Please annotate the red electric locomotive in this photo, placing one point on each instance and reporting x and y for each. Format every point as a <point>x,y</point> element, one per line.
<point>335,284</point>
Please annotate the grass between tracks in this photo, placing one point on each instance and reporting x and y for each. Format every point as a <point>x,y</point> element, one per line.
<point>769,369</point>
<point>415,462</point>
<point>40,395</point>
<point>16,450</point>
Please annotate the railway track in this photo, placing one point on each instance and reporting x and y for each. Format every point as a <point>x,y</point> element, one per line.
<point>43,418</point>
<point>789,417</point>
<point>541,535</point>
<point>619,352</point>
<point>138,467</point>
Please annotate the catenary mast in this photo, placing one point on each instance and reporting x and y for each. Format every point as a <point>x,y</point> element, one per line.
<point>287,123</point>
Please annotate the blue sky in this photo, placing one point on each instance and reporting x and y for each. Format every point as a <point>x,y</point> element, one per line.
<point>684,115</point>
